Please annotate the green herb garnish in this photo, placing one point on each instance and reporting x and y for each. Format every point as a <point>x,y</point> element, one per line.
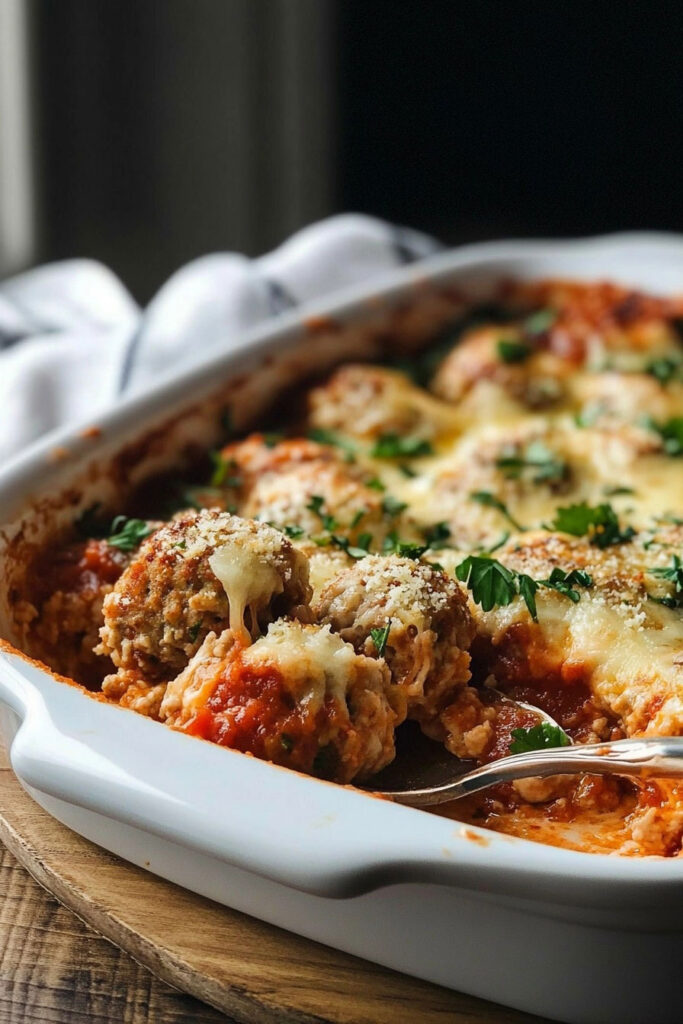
<point>491,584</point>
<point>671,433</point>
<point>504,537</point>
<point>491,501</point>
<point>358,550</point>
<point>392,506</point>
<point>434,535</point>
<point>539,322</point>
<point>405,549</point>
<point>589,415</point>
<point>193,630</point>
<point>315,505</point>
<point>672,574</point>
<point>90,523</point>
<point>126,534</point>
<point>331,437</point>
<point>664,369</point>
<point>513,351</point>
<point>617,492</point>
<point>393,446</point>
<point>380,637</point>
<point>272,438</point>
<point>407,471</point>
<point>375,484</point>
<point>547,467</point>
<point>494,585</point>
<point>294,532</point>
<point>598,522</point>
<point>538,737</point>
<point>564,582</point>
<point>223,472</point>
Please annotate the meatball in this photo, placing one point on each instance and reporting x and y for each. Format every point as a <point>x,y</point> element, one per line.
<point>241,464</point>
<point>415,615</point>
<point>298,696</point>
<point>308,489</point>
<point>198,573</point>
<point>366,401</point>
<point>537,381</point>
<point>612,398</point>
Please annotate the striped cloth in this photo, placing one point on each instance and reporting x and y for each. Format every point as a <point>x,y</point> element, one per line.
<point>72,339</point>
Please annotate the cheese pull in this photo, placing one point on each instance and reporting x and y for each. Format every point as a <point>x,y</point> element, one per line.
<point>249,583</point>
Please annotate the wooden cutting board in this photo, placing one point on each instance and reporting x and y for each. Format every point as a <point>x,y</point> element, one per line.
<point>251,971</point>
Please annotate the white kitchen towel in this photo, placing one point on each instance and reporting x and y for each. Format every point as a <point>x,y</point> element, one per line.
<point>73,340</point>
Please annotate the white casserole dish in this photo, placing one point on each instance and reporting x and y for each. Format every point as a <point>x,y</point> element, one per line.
<point>572,936</point>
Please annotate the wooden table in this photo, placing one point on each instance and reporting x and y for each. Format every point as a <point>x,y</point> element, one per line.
<point>56,970</point>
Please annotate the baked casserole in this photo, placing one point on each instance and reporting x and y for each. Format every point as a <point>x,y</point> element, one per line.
<point>399,542</point>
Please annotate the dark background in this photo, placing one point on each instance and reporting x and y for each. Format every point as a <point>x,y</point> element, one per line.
<point>469,120</point>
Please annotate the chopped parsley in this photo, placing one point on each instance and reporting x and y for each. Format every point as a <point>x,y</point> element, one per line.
<point>193,631</point>
<point>490,500</point>
<point>393,446</point>
<point>589,415</point>
<point>392,506</point>
<point>407,471</point>
<point>564,582</point>
<point>331,437</point>
<point>126,534</point>
<point>599,523</point>
<point>547,467</point>
<point>672,574</point>
<point>617,492</point>
<point>664,369</point>
<point>380,637</point>
<point>510,351</point>
<point>671,433</point>
<point>434,535</point>
<point>358,550</point>
<point>491,584</point>
<point>504,537</point>
<point>539,737</point>
<point>494,585</point>
<point>315,505</point>
<point>272,438</point>
<point>90,523</point>
<point>223,472</point>
<point>405,549</point>
<point>539,322</point>
<point>375,484</point>
<point>527,591</point>
<point>294,532</point>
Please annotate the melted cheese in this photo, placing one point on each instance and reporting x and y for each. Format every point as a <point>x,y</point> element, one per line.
<point>315,662</point>
<point>248,580</point>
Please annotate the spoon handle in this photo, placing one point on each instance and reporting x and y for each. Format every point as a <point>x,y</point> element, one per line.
<point>658,757</point>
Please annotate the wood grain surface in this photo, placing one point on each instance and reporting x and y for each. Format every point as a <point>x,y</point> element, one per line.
<point>55,969</point>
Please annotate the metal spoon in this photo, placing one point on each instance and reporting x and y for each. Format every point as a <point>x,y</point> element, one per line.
<point>424,773</point>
